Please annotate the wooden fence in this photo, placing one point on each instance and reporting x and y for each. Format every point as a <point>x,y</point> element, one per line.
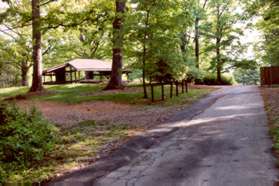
<point>180,87</point>
<point>269,76</point>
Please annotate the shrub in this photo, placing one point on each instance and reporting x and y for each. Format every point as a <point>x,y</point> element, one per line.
<point>3,175</point>
<point>25,137</point>
<point>211,79</point>
<point>194,73</point>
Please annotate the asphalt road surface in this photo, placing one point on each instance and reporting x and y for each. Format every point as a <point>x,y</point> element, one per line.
<point>226,145</point>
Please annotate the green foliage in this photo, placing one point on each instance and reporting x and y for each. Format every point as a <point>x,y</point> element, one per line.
<point>270,26</point>
<point>247,76</point>
<point>211,79</point>
<point>155,28</point>
<point>25,138</point>
<point>83,29</point>
<point>193,74</point>
<point>222,34</point>
<point>16,55</point>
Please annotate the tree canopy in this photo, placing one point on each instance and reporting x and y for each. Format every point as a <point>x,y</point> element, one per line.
<point>160,40</point>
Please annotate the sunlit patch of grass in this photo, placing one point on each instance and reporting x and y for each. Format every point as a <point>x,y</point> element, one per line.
<point>12,92</point>
<point>78,93</point>
<point>70,93</point>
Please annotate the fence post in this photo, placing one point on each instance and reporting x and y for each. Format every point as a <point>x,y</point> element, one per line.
<point>163,93</point>
<point>152,92</point>
<point>171,89</point>
<point>176,85</point>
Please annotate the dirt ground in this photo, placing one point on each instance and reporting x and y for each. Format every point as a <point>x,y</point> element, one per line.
<point>66,115</point>
<point>137,116</point>
<point>271,97</point>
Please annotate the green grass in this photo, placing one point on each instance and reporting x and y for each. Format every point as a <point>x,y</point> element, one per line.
<point>77,145</point>
<point>12,92</point>
<point>78,93</point>
<point>71,94</point>
<point>183,98</point>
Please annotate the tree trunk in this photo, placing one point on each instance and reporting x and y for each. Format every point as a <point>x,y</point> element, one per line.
<point>144,56</point>
<point>24,73</point>
<point>197,42</point>
<point>218,61</point>
<point>143,73</point>
<point>183,43</point>
<point>218,45</point>
<point>37,84</point>
<point>118,35</point>
<point>197,36</point>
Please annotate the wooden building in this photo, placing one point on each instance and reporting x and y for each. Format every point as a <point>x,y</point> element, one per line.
<point>79,70</point>
<point>270,76</point>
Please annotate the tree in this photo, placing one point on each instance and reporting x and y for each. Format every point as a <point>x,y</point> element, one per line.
<point>269,10</point>
<point>143,10</point>
<point>67,32</point>
<point>117,51</point>
<point>155,39</point>
<point>223,35</point>
<point>37,84</point>
<point>247,76</point>
<point>198,15</point>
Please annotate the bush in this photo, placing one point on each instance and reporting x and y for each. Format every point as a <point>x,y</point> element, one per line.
<point>211,79</point>
<point>194,73</point>
<point>25,137</point>
<point>3,175</point>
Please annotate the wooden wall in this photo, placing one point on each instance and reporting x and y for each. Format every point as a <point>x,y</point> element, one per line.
<point>269,76</point>
<point>60,75</point>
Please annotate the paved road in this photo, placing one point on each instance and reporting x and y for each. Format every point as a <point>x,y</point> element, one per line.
<point>226,145</point>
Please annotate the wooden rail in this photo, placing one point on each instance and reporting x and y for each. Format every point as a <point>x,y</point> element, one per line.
<point>183,84</point>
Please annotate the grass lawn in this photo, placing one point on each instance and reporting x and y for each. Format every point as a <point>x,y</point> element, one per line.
<point>78,93</point>
<point>79,145</point>
<point>12,92</point>
<point>271,99</point>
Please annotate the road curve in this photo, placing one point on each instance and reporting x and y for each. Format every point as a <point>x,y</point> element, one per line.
<point>226,145</point>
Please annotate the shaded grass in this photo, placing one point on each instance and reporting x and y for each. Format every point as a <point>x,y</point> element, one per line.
<point>78,145</point>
